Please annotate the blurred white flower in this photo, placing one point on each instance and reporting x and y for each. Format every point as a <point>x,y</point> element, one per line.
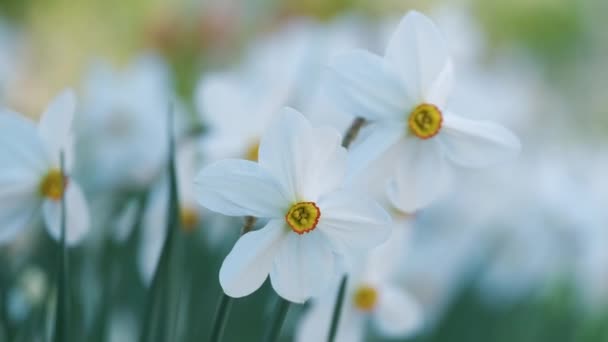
<point>122,134</point>
<point>29,292</point>
<point>30,177</point>
<point>282,69</point>
<point>372,294</point>
<point>404,97</point>
<point>313,220</point>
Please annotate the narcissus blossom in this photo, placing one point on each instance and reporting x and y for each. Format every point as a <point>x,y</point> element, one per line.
<point>404,96</point>
<point>30,174</point>
<point>313,221</point>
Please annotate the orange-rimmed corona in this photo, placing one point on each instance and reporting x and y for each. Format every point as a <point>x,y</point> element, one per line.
<point>365,298</point>
<point>425,121</point>
<point>303,217</point>
<point>53,185</point>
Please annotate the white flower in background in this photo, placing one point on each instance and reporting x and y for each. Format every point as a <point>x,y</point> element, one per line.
<point>122,134</point>
<point>312,220</point>
<point>404,97</point>
<point>30,178</point>
<point>279,70</point>
<point>28,293</point>
<point>372,295</point>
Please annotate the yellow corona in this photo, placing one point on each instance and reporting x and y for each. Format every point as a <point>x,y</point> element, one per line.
<point>53,185</point>
<point>365,298</point>
<point>303,217</point>
<point>425,121</point>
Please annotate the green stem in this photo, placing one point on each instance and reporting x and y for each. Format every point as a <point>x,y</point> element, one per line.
<point>277,322</point>
<point>62,304</point>
<point>335,319</point>
<point>221,318</point>
<point>154,325</point>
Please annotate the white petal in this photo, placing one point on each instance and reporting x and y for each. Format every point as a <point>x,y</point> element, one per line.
<point>20,201</point>
<point>365,85</point>
<point>326,163</point>
<point>248,264</point>
<point>304,267</point>
<point>77,215</point>
<point>240,188</point>
<point>380,138</point>
<point>153,231</point>
<point>20,144</point>
<point>421,176</point>
<point>397,314</point>
<point>55,126</point>
<point>305,160</point>
<point>419,52</point>
<point>353,222</point>
<point>477,143</point>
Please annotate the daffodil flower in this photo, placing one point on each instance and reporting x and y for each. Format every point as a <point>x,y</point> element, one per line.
<point>404,97</point>
<point>313,221</point>
<point>30,177</point>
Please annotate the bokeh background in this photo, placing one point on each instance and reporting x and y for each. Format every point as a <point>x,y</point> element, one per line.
<point>514,253</point>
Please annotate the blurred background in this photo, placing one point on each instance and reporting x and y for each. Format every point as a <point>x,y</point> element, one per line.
<point>513,253</point>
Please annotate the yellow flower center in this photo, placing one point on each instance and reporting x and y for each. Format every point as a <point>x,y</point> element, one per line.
<point>252,151</point>
<point>189,219</point>
<point>53,185</point>
<point>365,298</point>
<point>425,121</point>
<point>303,217</point>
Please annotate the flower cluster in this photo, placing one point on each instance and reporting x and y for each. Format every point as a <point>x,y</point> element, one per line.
<point>327,151</point>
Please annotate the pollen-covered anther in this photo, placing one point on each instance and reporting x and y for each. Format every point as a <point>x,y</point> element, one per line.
<point>53,185</point>
<point>303,217</point>
<point>425,121</point>
<point>365,298</point>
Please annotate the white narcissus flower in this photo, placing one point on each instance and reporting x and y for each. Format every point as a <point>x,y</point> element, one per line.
<point>313,221</point>
<point>404,98</point>
<point>237,105</point>
<point>122,132</point>
<point>371,294</point>
<point>30,177</point>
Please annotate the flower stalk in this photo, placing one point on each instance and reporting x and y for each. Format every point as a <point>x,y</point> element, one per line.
<point>349,137</point>
<point>154,324</point>
<point>277,322</point>
<point>62,299</point>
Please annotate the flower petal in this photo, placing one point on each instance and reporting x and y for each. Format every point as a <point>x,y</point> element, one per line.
<point>55,126</point>
<point>420,54</point>
<point>20,143</point>
<point>248,264</point>
<point>353,222</point>
<point>20,204</point>
<point>240,188</point>
<point>365,85</point>
<point>77,215</point>
<point>421,176</point>
<point>397,314</point>
<point>304,267</point>
<point>305,160</point>
<point>371,146</point>
<point>477,143</point>
<point>153,231</point>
